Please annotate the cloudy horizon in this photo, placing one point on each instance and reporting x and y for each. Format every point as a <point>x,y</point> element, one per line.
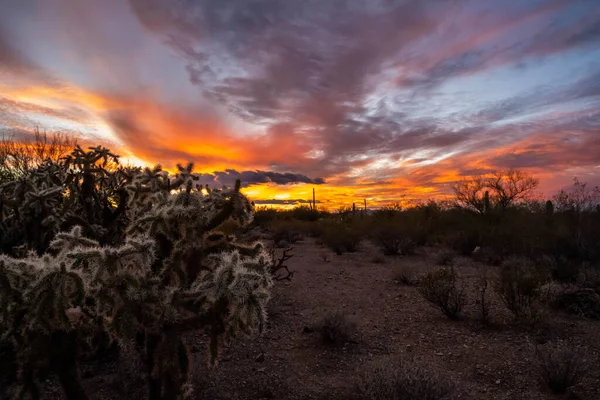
<point>379,100</point>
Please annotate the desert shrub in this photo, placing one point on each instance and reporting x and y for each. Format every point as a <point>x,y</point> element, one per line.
<point>391,238</point>
<point>388,236</point>
<point>481,287</point>
<point>286,232</point>
<point>388,212</point>
<point>170,274</point>
<point>519,286</point>
<point>583,302</point>
<point>487,255</point>
<point>378,259</point>
<point>563,269</point>
<point>397,379</point>
<point>264,216</point>
<point>341,238</point>
<point>441,289</point>
<point>589,277</point>
<point>315,229</point>
<point>304,213</point>
<point>464,241</point>
<point>560,366</point>
<point>335,328</point>
<point>404,274</point>
<point>445,258</point>
<point>408,247</point>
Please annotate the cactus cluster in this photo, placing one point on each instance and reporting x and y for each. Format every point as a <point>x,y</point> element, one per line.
<point>146,265</point>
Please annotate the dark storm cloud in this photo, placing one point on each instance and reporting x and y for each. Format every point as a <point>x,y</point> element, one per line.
<point>247,178</point>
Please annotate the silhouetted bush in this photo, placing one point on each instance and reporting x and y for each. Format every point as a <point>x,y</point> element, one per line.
<point>560,366</point>
<point>445,258</point>
<point>341,238</point>
<point>441,289</point>
<point>464,242</point>
<point>397,379</point>
<point>487,255</point>
<point>392,238</point>
<point>286,232</point>
<point>405,274</point>
<point>335,328</point>
<point>583,302</point>
<point>519,286</point>
<point>481,288</point>
<point>562,269</point>
<point>264,216</point>
<point>305,213</point>
<point>378,259</point>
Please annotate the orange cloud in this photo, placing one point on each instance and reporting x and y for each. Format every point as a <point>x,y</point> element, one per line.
<point>151,132</point>
<point>308,94</point>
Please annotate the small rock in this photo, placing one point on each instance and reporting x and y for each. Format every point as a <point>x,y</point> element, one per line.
<point>260,358</point>
<point>498,382</point>
<point>307,329</point>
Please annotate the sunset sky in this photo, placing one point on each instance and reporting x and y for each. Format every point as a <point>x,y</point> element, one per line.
<point>380,99</point>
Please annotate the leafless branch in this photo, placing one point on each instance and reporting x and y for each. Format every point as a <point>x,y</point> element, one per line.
<point>279,265</point>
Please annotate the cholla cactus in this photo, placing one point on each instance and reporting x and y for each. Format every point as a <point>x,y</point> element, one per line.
<point>39,295</point>
<point>29,212</point>
<point>215,283</point>
<point>173,272</point>
<point>86,188</point>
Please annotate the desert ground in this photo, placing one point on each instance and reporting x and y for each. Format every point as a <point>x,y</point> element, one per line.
<point>392,321</point>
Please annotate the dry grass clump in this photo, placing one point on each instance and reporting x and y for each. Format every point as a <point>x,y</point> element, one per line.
<point>398,379</point>
<point>405,274</point>
<point>560,365</point>
<point>336,328</point>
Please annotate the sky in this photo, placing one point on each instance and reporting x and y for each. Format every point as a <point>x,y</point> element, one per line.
<point>384,100</point>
